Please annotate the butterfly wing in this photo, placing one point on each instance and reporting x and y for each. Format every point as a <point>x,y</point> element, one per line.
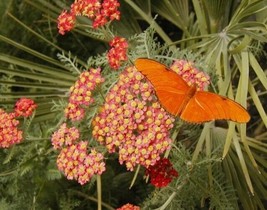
<point>170,88</point>
<point>182,100</point>
<point>206,106</point>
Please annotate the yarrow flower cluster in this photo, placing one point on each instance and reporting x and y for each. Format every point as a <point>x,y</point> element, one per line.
<point>133,121</point>
<point>9,132</point>
<point>162,173</point>
<point>191,74</point>
<point>24,107</point>
<point>64,136</point>
<point>118,52</point>
<point>81,93</point>
<point>66,22</point>
<point>76,163</point>
<point>128,207</point>
<point>88,8</point>
<point>100,12</point>
<point>73,159</point>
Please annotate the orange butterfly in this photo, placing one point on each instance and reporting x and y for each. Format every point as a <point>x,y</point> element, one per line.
<point>180,99</point>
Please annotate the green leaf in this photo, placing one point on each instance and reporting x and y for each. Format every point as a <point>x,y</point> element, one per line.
<point>177,12</point>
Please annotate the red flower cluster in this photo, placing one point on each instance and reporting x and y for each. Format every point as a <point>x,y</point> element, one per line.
<point>87,8</point>
<point>100,12</point>
<point>24,107</point>
<point>81,93</point>
<point>108,12</point>
<point>73,159</point>
<point>118,52</point>
<point>128,207</point>
<point>9,133</point>
<point>162,173</point>
<point>66,22</point>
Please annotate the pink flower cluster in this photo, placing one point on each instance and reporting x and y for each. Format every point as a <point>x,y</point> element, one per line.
<point>133,121</point>
<point>191,74</point>
<point>73,159</point>
<point>162,173</point>
<point>76,164</point>
<point>100,12</point>
<point>64,136</point>
<point>24,107</point>
<point>9,133</point>
<point>81,93</point>
<point>128,207</point>
<point>118,52</point>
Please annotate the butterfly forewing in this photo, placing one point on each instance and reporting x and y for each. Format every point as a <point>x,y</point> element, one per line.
<point>170,88</point>
<point>159,75</point>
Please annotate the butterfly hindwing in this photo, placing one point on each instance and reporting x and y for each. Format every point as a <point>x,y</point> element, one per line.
<point>210,106</point>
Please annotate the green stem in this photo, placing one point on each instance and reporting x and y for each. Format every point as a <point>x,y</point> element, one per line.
<point>99,192</point>
<point>135,176</point>
<point>91,199</point>
<point>172,196</point>
<point>173,137</point>
<point>201,141</point>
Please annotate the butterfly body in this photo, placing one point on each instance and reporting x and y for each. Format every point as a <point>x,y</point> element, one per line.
<point>190,104</point>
